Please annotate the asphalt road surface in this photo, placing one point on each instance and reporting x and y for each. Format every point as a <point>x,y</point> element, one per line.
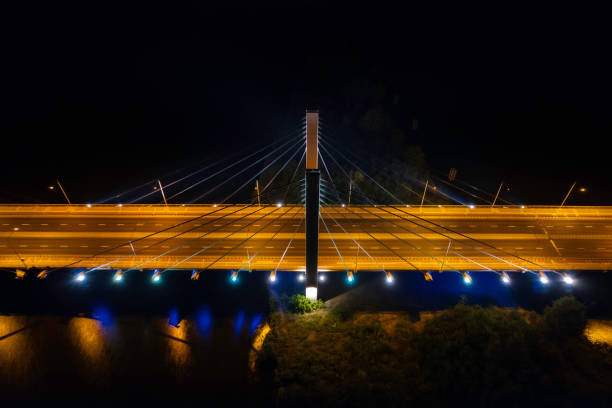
<point>249,236</point>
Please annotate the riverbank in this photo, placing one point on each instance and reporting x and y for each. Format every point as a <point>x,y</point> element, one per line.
<point>343,356</point>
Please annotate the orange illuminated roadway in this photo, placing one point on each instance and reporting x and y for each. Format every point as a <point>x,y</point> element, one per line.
<point>395,237</point>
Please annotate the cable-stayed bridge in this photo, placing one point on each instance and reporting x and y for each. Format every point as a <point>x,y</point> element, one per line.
<point>429,238</point>
<point>325,211</point>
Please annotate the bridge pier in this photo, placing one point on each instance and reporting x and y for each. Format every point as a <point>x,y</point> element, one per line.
<point>312,203</point>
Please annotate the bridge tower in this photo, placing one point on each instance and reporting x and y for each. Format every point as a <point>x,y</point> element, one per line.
<point>312,202</point>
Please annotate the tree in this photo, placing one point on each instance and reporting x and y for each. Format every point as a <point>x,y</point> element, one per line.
<point>565,318</point>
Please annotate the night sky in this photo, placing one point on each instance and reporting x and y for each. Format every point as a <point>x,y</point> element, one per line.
<point>104,96</point>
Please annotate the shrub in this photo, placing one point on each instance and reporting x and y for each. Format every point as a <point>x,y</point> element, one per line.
<point>301,304</point>
<point>565,318</point>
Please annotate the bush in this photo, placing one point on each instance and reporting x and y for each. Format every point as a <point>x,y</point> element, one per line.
<point>301,304</point>
<point>565,319</point>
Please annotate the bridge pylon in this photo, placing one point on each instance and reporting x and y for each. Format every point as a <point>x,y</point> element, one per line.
<point>313,177</point>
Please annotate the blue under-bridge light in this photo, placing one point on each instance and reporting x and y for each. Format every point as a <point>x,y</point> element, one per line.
<point>80,277</point>
<point>234,277</point>
<point>350,278</point>
<point>156,276</point>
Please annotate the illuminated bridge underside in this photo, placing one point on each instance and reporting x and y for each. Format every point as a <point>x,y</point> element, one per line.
<point>55,236</point>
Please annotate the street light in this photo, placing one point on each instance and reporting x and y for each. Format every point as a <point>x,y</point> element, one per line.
<point>80,277</point>
<point>273,276</point>
<point>568,279</point>
<point>389,278</point>
<point>350,277</point>
<point>234,277</point>
<point>543,278</point>
<point>467,279</point>
<point>505,278</point>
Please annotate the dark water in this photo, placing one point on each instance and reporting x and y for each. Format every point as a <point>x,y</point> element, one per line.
<point>176,342</point>
<point>188,342</point>
<point>138,357</point>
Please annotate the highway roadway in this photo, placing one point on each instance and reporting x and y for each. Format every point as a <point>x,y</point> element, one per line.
<point>366,237</point>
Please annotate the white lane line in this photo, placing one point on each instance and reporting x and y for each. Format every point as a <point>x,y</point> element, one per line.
<point>82,225</point>
<point>511,226</point>
<point>103,246</point>
<point>63,246</point>
<point>22,246</point>
<point>530,226</point>
<point>120,225</point>
<point>569,226</point>
<point>102,225</point>
<point>63,224</point>
<point>44,225</point>
<point>494,226</point>
<point>539,248</point>
<point>158,225</point>
<point>25,224</point>
<point>84,246</point>
<point>44,246</point>
<point>588,226</point>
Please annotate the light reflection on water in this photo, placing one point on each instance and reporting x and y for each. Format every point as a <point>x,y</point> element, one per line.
<point>16,352</point>
<point>178,342</point>
<point>104,352</point>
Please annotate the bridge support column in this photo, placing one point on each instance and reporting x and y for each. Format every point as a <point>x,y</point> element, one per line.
<point>312,203</point>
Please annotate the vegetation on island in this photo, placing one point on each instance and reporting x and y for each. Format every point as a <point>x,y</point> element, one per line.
<point>463,355</point>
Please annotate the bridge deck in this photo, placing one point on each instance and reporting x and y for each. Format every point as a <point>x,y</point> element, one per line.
<point>397,238</point>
